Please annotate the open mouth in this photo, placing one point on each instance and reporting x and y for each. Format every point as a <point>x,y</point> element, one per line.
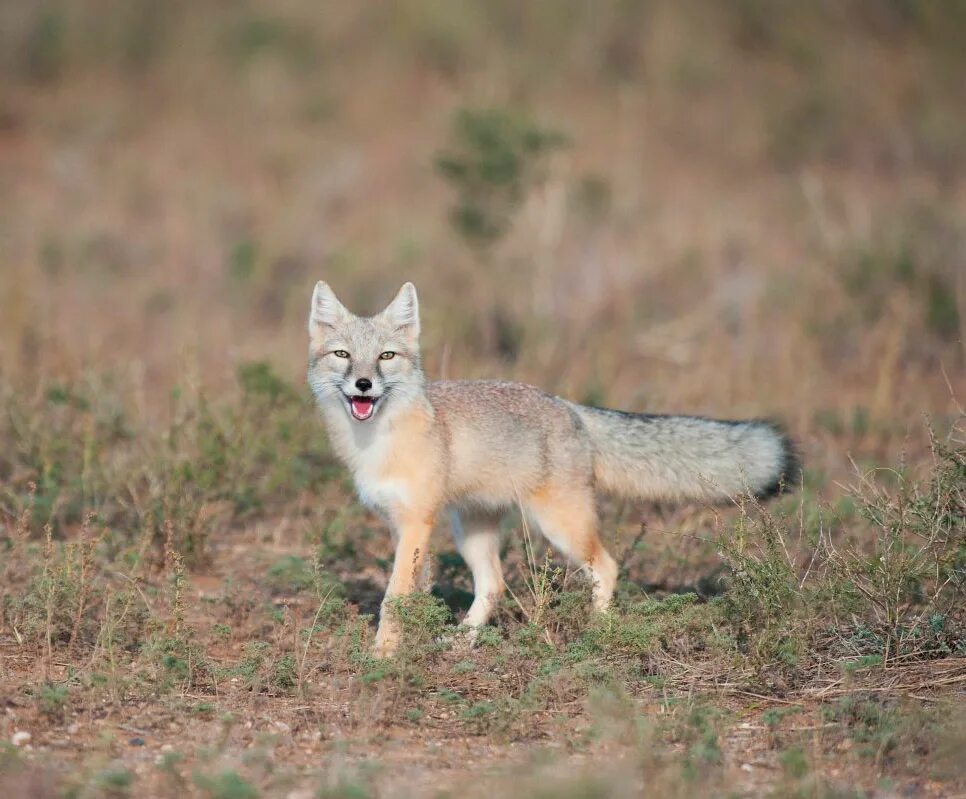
<point>361,408</point>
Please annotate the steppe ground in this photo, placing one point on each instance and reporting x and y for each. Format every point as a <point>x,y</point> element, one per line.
<point>745,209</point>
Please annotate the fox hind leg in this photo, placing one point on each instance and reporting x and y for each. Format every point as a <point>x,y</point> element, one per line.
<point>568,520</point>
<point>477,537</point>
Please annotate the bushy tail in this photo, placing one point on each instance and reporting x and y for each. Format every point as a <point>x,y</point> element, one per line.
<point>643,456</point>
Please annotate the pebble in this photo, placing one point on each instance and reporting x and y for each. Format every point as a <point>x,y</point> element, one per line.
<point>20,738</point>
<point>136,741</point>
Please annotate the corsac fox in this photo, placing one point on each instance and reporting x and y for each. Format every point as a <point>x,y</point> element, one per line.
<point>477,448</point>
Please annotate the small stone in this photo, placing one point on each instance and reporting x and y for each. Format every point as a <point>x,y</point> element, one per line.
<point>20,738</point>
<point>73,728</point>
<point>136,741</point>
<point>167,748</point>
<point>747,767</point>
<point>281,726</point>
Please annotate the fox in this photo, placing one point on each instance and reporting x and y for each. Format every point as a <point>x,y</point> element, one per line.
<point>475,449</point>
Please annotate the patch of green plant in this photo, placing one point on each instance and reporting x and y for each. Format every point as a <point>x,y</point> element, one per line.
<point>179,661</point>
<point>115,783</point>
<point>424,619</point>
<point>249,667</point>
<point>488,637</point>
<point>773,717</point>
<point>221,630</point>
<point>377,673</point>
<point>648,626</point>
<point>345,789</point>
<point>695,725</point>
<point>479,710</point>
<point>911,257</point>
<point>52,701</point>
<point>225,785</point>
<point>62,605</point>
<point>254,36</point>
<point>285,673</point>
<point>794,762</point>
<point>870,721</point>
<point>764,601</point>
<point>530,640</point>
<point>290,574</point>
<point>496,156</point>
<point>863,662</point>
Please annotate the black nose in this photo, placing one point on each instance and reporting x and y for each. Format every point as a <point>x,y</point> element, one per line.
<point>363,384</point>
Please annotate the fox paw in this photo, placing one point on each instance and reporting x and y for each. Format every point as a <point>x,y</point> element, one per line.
<point>386,643</point>
<point>462,638</point>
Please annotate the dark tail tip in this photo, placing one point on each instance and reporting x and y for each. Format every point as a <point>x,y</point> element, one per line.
<point>789,475</point>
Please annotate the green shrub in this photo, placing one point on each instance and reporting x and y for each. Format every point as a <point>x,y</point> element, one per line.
<point>495,158</point>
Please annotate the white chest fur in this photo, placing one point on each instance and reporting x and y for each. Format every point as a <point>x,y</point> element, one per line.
<point>367,449</point>
<point>380,493</point>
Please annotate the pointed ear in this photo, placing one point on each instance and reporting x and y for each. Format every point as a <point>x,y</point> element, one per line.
<point>403,311</point>
<point>326,308</point>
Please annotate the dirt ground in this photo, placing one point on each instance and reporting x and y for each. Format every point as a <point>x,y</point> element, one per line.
<point>348,733</point>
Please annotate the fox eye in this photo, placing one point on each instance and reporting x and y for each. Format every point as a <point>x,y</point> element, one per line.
<point>341,354</point>
<point>387,356</point>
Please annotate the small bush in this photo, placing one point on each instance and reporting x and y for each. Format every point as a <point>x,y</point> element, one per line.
<point>495,158</point>
<point>225,785</point>
<point>424,619</point>
<point>900,596</point>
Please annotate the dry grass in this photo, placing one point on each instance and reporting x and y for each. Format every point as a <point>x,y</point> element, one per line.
<point>741,211</point>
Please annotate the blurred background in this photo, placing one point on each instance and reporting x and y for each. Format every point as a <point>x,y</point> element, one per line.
<point>734,209</point>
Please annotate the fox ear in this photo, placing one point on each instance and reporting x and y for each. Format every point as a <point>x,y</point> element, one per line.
<point>403,311</point>
<point>326,308</point>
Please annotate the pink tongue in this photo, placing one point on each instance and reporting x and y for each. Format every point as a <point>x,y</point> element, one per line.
<point>361,407</point>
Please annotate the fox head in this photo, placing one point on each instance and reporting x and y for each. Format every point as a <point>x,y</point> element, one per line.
<point>363,363</point>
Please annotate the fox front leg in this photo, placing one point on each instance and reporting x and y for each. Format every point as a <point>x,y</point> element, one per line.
<point>408,569</point>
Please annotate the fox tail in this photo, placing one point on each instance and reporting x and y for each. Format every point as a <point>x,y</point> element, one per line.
<point>644,456</point>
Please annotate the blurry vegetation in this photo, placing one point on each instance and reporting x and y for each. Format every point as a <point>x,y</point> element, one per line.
<point>643,89</point>
<point>796,53</point>
<point>493,162</point>
<point>912,261</point>
<point>63,453</point>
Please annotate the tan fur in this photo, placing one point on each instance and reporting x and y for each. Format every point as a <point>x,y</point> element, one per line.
<point>479,447</point>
